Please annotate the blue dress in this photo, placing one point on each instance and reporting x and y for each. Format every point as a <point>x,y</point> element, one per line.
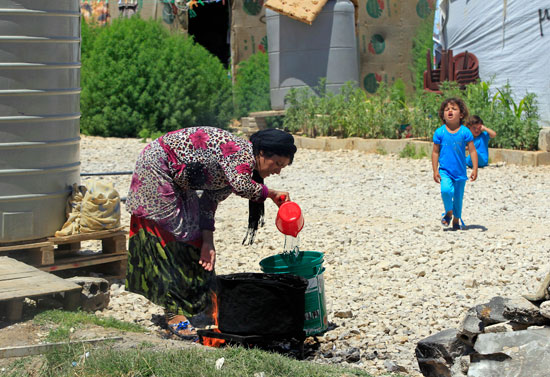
<point>452,151</point>
<point>481,142</point>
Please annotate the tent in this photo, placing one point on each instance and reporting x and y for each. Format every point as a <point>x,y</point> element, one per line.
<point>510,39</point>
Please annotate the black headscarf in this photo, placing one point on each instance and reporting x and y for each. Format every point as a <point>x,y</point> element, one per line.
<point>271,142</point>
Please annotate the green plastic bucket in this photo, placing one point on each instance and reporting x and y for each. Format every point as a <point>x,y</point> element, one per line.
<point>309,265</point>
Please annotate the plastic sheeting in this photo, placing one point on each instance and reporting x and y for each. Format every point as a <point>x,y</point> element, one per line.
<point>510,39</point>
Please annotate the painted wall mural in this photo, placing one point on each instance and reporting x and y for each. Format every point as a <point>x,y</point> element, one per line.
<point>95,11</point>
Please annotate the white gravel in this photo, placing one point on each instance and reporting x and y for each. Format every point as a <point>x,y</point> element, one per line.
<point>388,260</point>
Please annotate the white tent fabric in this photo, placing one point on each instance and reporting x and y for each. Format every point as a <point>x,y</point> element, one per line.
<point>511,39</point>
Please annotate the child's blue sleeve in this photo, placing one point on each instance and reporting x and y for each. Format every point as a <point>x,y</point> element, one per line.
<point>437,137</point>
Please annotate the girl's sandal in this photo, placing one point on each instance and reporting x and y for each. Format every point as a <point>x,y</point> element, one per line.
<point>459,226</point>
<point>446,219</point>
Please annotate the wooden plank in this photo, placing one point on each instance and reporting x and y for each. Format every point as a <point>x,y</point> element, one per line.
<point>114,244</point>
<point>19,280</point>
<point>34,256</point>
<point>87,236</point>
<point>25,246</point>
<point>83,261</point>
<point>269,113</point>
<point>37,349</point>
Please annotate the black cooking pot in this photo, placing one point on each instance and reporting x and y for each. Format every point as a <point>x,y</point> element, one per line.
<point>261,304</point>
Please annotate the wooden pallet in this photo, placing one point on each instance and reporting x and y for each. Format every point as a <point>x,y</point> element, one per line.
<point>19,281</point>
<point>64,253</point>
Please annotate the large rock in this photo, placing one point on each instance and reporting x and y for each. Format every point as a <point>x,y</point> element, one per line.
<point>492,312</point>
<point>520,310</point>
<point>470,327</point>
<point>436,354</point>
<point>513,354</point>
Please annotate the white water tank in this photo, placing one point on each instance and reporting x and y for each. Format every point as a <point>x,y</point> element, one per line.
<point>39,115</point>
<point>301,54</point>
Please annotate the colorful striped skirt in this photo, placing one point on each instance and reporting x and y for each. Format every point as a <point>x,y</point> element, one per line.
<point>167,271</point>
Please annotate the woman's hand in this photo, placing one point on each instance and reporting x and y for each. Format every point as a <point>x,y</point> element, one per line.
<point>278,197</point>
<point>208,252</point>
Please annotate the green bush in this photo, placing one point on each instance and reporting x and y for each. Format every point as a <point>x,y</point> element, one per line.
<point>137,79</point>
<point>251,88</point>
<point>88,33</point>
<point>191,88</point>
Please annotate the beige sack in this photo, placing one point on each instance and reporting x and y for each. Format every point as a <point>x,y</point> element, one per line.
<point>100,207</point>
<point>91,209</point>
<point>72,212</point>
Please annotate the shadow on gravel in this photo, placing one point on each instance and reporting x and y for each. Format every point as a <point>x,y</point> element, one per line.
<point>467,227</point>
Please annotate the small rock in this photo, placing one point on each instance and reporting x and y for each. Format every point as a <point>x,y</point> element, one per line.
<point>344,314</point>
<point>393,367</point>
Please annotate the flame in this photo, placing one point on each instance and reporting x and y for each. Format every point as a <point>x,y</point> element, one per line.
<point>214,342</point>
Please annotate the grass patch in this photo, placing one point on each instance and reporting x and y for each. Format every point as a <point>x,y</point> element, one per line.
<point>189,362</point>
<point>65,320</point>
<point>381,151</point>
<point>86,360</point>
<point>410,152</point>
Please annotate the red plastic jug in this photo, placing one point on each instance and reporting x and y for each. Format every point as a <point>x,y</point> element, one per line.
<point>290,220</point>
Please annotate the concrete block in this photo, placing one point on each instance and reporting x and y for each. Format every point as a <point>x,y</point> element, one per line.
<point>365,145</point>
<point>95,293</point>
<point>248,122</point>
<point>544,139</point>
<point>311,143</point>
<point>513,157</point>
<point>333,144</point>
<point>543,158</point>
<point>393,145</point>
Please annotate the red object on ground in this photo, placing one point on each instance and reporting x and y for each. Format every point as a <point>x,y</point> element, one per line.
<point>290,220</point>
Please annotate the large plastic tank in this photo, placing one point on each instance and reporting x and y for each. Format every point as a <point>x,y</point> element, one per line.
<point>300,54</point>
<point>39,115</point>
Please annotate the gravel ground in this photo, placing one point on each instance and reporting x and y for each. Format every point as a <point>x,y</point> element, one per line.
<point>388,260</point>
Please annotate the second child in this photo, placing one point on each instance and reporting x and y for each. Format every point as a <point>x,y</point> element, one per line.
<point>482,135</point>
<point>449,159</point>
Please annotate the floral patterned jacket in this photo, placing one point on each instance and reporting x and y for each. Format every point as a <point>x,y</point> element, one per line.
<point>164,189</point>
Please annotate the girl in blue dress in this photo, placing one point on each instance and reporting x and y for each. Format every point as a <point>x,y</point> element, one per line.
<point>482,134</point>
<point>449,159</point>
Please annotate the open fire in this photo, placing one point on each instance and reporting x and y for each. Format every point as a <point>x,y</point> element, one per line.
<point>210,341</point>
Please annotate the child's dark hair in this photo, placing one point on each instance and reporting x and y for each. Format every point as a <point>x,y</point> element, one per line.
<point>474,119</point>
<point>457,101</point>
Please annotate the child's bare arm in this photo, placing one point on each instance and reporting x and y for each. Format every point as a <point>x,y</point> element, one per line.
<point>492,133</point>
<point>435,162</point>
<point>473,155</point>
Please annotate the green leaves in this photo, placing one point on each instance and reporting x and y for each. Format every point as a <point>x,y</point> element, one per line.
<point>390,114</point>
<point>251,88</point>
<point>138,80</point>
